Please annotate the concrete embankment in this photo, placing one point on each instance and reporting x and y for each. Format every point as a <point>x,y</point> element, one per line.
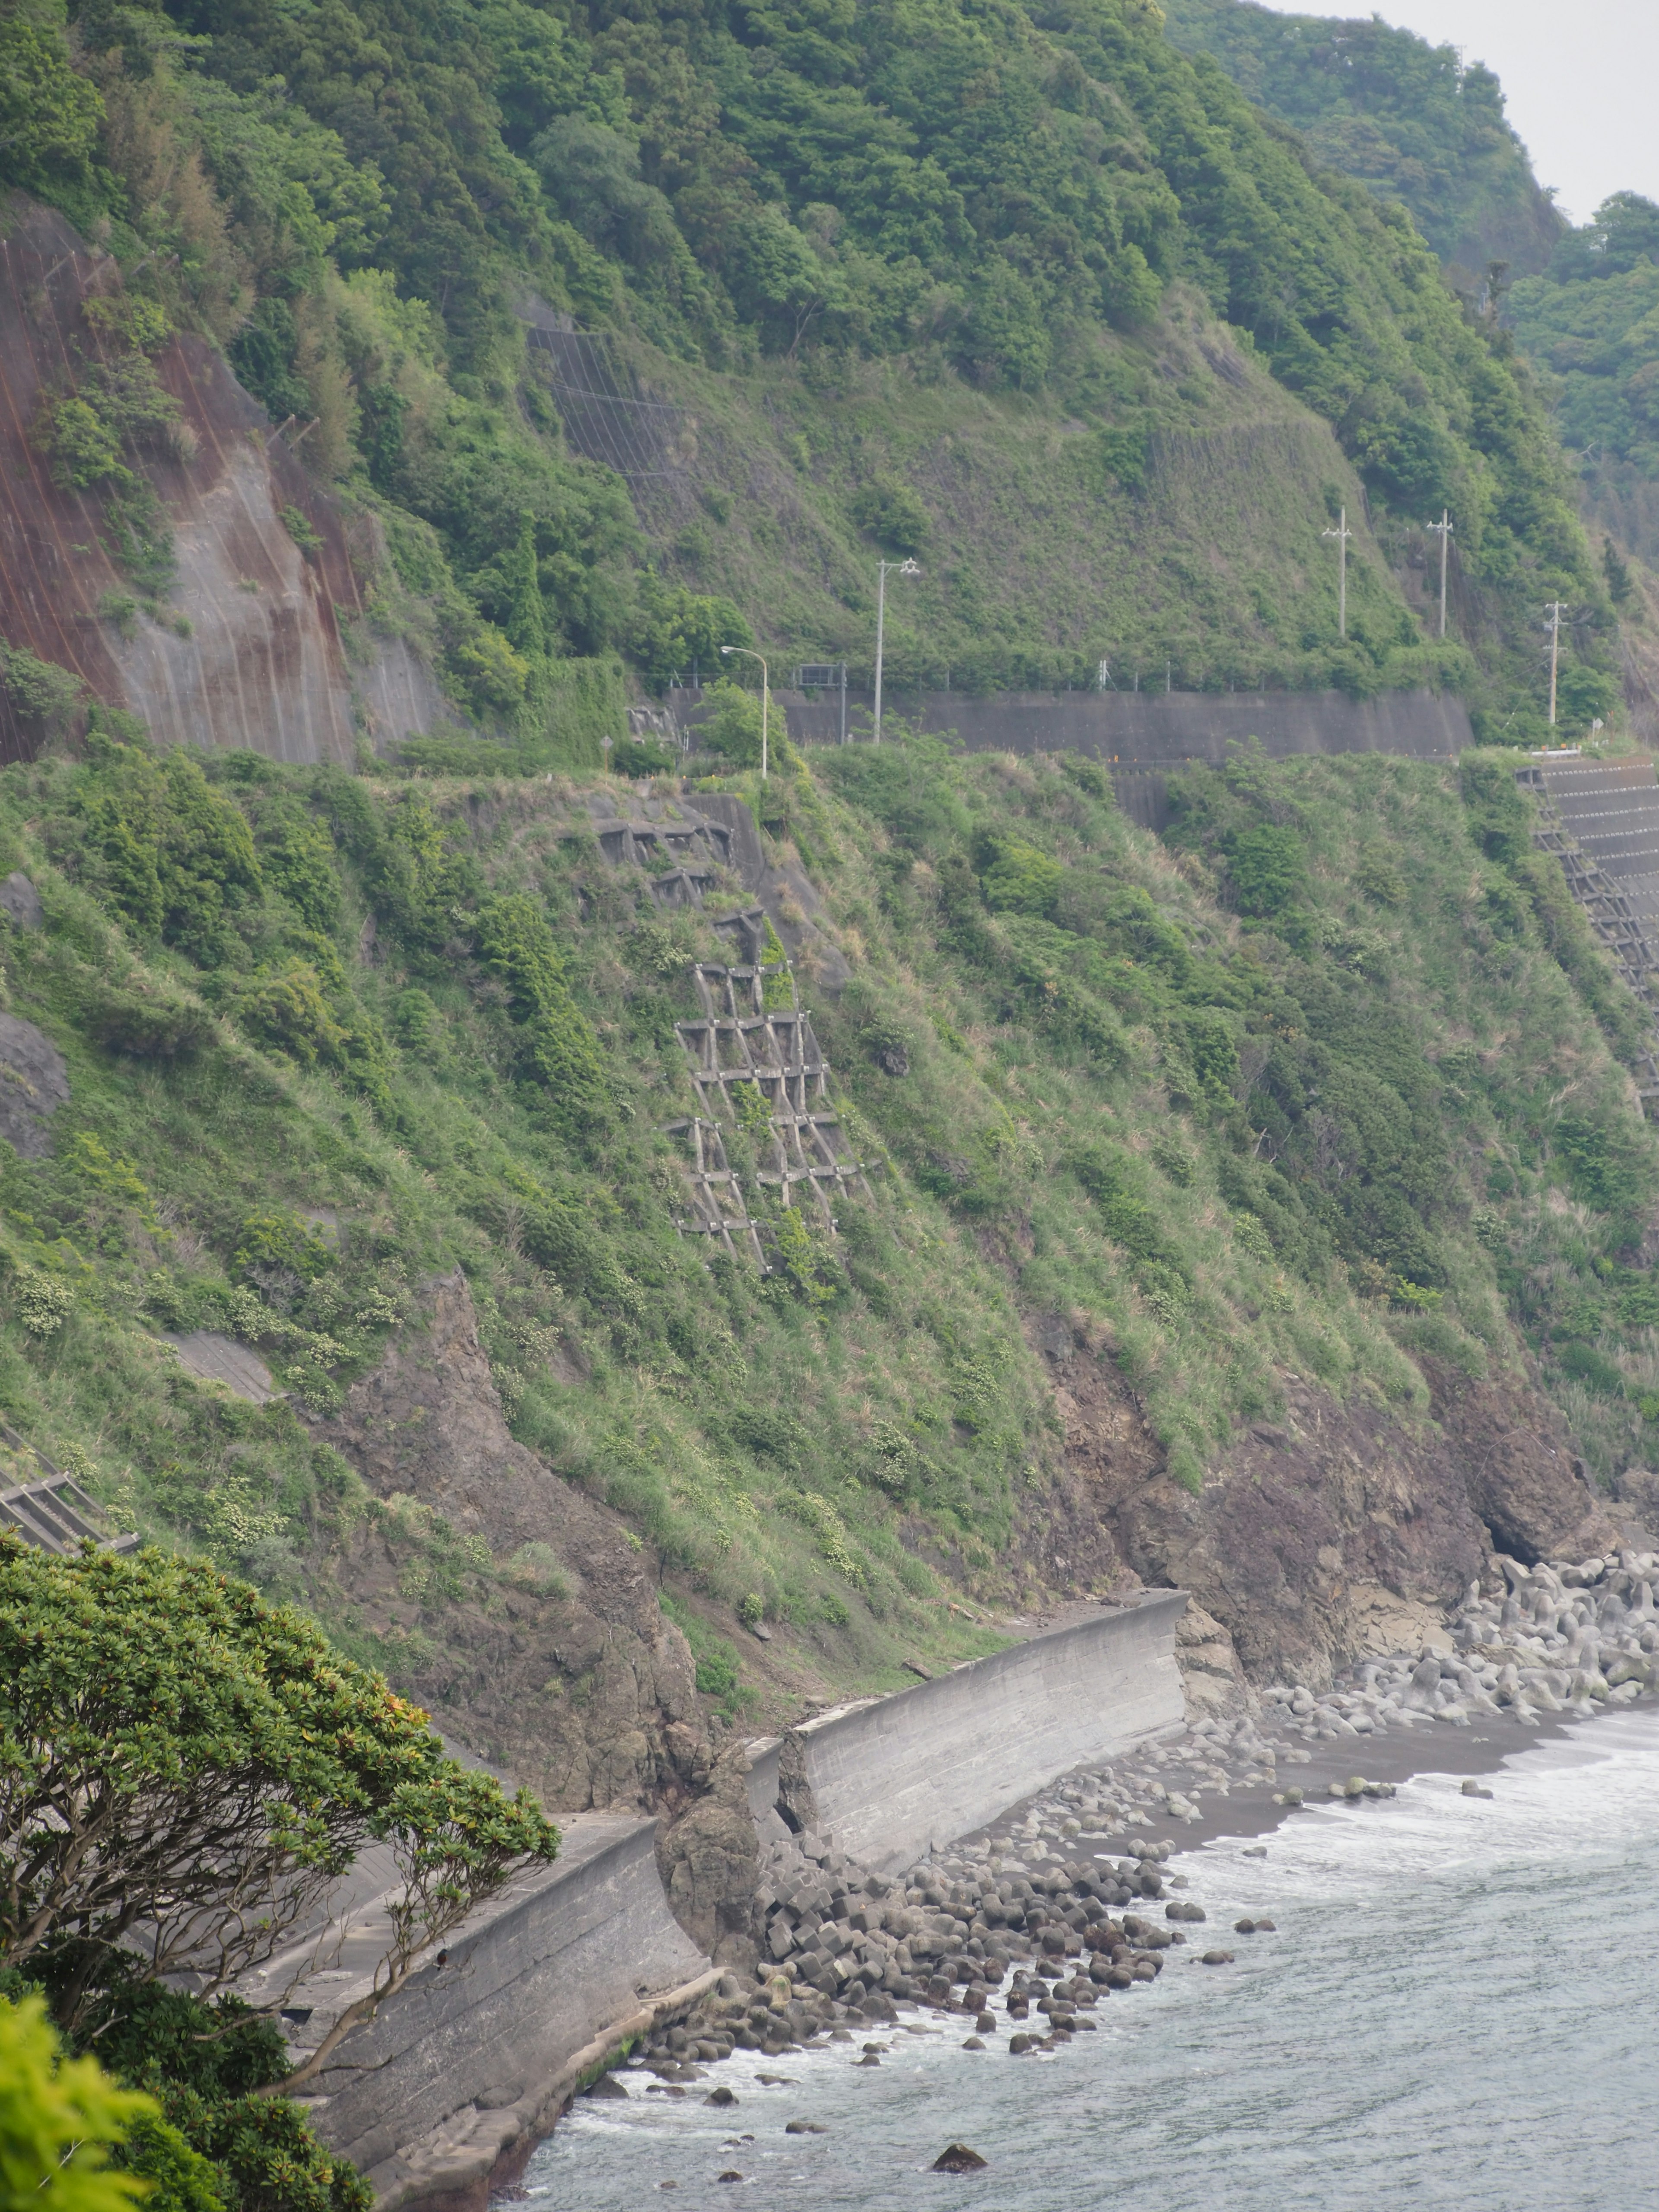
<point>1144,736</point>
<point>449,2086</point>
<point>892,1779</point>
<point>442,2095</point>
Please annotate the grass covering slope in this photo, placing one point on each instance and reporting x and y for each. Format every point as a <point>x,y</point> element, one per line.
<point>1328,1082</point>
<point>1004,240</point>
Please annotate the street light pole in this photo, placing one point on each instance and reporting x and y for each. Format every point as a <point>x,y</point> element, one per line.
<point>905,569</point>
<point>765,695</point>
<point>1442,530</point>
<point>1342,534</point>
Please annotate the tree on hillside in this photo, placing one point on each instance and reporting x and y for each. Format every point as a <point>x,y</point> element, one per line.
<point>185,1772</point>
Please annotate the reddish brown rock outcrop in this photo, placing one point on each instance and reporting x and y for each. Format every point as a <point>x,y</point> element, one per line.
<point>1337,1528</point>
<point>248,651</point>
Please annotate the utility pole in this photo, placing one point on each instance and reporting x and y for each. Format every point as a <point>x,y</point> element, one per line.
<point>905,569</point>
<point>1554,610</point>
<point>1443,530</point>
<point>1342,534</point>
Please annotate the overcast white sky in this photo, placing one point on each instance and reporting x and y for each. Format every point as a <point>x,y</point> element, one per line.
<point>1582,81</point>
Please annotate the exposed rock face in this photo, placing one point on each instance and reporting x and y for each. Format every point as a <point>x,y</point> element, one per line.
<point>1339,1532</point>
<point>1210,1671</point>
<point>1109,1449</point>
<point>589,1696</point>
<point>1525,1483</point>
<point>33,1085</point>
<point>20,902</point>
<point>710,1863</point>
<point>258,660</point>
<point>1638,1493</point>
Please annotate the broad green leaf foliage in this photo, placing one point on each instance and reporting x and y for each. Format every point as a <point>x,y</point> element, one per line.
<point>57,2116</point>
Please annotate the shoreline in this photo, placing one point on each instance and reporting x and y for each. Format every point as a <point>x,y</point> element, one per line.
<point>1013,1937</point>
<point>1251,1809</point>
<point>1432,2022</point>
<point>1151,1934</point>
<point>1068,1897</point>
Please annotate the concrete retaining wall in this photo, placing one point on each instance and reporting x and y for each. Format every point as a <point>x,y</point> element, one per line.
<point>445,2094</point>
<point>890,1778</point>
<point>1142,735</point>
<point>1155,726</point>
<point>462,2073</point>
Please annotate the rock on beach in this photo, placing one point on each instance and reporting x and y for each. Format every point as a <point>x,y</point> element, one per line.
<point>1030,1927</point>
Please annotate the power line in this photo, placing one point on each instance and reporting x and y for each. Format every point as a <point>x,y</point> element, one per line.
<point>1554,610</point>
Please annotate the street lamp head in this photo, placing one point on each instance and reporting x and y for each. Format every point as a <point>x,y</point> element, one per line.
<point>911,568</point>
<point>728,648</point>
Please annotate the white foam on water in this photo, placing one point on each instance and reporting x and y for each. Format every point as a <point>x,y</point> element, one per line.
<point>1453,2016</point>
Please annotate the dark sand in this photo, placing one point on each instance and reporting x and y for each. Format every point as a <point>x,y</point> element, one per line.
<point>1429,1747</point>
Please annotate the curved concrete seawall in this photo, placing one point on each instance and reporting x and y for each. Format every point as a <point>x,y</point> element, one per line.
<point>890,1778</point>
<point>451,2086</point>
<point>444,2092</point>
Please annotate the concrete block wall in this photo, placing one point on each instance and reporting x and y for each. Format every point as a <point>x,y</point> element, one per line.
<point>448,2088</point>
<point>442,2096</point>
<point>891,1778</point>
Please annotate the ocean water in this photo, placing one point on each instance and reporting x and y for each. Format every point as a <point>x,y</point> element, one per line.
<point>1458,2011</point>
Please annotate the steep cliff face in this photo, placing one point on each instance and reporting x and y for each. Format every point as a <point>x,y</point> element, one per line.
<point>581,1686</point>
<point>245,649</point>
<point>1335,1529</point>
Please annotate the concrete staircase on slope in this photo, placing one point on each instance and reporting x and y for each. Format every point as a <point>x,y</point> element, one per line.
<point>1600,819</point>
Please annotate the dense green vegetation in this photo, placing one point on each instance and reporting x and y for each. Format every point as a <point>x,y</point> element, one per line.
<point>1324,1133</point>
<point>1592,317</point>
<point>1331,1083</point>
<point>1409,120</point>
<point>219,1751</point>
<point>921,269</point>
<point>164,2101</point>
<point>57,2116</point>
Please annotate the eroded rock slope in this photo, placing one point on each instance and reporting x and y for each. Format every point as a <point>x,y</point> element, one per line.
<point>581,1686</point>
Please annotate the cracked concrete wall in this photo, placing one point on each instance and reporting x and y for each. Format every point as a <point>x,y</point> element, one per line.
<point>890,1778</point>
<point>454,2073</point>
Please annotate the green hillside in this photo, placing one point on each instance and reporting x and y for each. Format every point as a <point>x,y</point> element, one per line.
<point>1030,292</point>
<point>1272,1197</point>
<point>1328,1085</point>
<point>1592,319</point>
<point>1408,119</point>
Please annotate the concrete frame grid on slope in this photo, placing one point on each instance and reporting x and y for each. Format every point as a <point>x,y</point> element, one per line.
<point>1599,820</point>
<point>739,1039</point>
